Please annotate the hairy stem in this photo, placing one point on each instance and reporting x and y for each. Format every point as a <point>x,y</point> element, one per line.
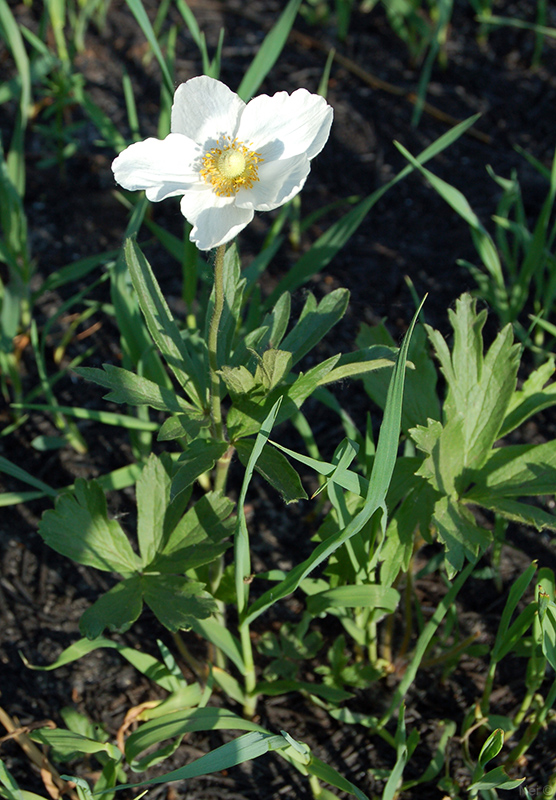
<point>215,407</point>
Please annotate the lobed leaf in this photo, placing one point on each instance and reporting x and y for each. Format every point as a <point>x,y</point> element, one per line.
<point>78,527</point>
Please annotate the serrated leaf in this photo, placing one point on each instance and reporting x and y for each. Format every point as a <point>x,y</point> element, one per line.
<point>153,497</point>
<point>315,323</point>
<point>182,426</point>
<point>457,530</point>
<point>79,528</point>
<point>414,513</point>
<point>238,380</point>
<point>272,368</point>
<point>445,464</point>
<point>176,601</point>
<point>134,390</point>
<point>116,610</point>
<point>162,327</point>
<point>534,396</point>
<point>479,387</point>
<point>197,537</point>
<point>519,512</point>
<point>516,471</point>
<point>247,414</point>
<point>199,457</point>
<point>275,468</point>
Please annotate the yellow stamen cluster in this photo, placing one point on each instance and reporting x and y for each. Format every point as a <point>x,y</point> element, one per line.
<point>230,166</point>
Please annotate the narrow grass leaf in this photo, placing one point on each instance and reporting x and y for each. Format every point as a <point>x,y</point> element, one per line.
<point>241,540</point>
<point>268,52</point>
<point>244,748</point>
<point>138,10</point>
<point>8,468</point>
<point>143,662</point>
<point>214,632</point>
<point>179,723</point>
<point>106,417</point>
<point>458,202</point>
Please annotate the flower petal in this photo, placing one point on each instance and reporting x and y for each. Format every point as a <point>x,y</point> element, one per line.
<point>286,125</point>
<point>205,109</point>
<point>162,167</point>
<point>278,182</point>
<point>216,220</point>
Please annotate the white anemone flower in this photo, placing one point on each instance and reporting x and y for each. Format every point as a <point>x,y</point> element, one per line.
<point>227,158</point>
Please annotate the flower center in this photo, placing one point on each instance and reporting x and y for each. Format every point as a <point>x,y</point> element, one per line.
<point>230,166</point>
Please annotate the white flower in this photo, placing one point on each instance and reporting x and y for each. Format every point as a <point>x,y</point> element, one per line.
<point>228,159</point>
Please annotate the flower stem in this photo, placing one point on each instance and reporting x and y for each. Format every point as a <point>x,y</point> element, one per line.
<point>223,463</point>
<point>215,407</point>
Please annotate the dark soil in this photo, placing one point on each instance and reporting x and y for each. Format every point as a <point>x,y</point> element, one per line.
<point>410,232</point>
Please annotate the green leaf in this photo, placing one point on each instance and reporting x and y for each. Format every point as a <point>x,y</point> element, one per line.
<point>275,468</point>
<point>197,537</point>
<point>548,629</point>
<point>162,326</point>
<point>363,596</point>
<point>8,468</point>
<point>138,10</point>
<point>457,530</point>
<point>272,368</point>
<point>416,509</point>
<point>268,52</point>
<point>183,426</point>
<point>234,286</point>
<point>242,555</point>
<point>79,528</point>
<point>281,687</point>
<point>116,610</point>
<point>176,601</point>
<point>327,773</point>
<point>213,631</point>
<point>68,745</point>
<point>12,790</point>
<point>153,497</point>
<point>495,779</point>
<point>315,324</point>
<point>238,380</point>
<point>445,462</point>
<point>420,395</point>
<point>479,388</point>
<point>491,747</point>
<point>199,457</point>
<point>247,414</point>
<point>456,200</point>
<point>244,748</point>
<point>523,513</point>
<point>134,390</point>
<point>177,724</point>
<point>534,396</point>
<point>521,470</point>
<point>143,662</point>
